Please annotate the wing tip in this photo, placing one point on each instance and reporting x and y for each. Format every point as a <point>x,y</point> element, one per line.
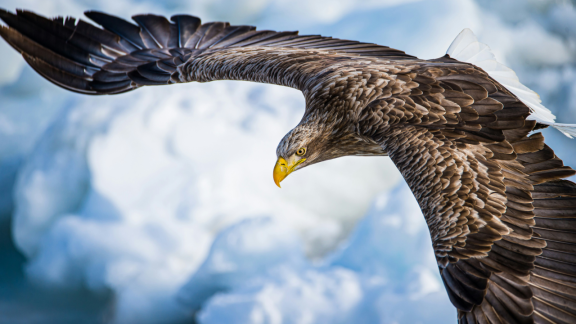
<point>87,13</point>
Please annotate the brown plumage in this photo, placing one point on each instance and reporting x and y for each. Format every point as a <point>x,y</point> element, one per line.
<point>502,220</point>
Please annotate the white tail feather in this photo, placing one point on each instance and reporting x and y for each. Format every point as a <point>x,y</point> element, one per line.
<point>566,129</point>
<point>467,48</point>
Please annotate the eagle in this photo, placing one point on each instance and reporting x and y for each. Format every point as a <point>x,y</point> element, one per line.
<point>461,129</point>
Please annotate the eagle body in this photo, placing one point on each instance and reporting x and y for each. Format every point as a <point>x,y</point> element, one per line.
<point>501,218</point>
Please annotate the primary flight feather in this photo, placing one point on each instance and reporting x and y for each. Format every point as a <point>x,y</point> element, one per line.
<point>502,220</point>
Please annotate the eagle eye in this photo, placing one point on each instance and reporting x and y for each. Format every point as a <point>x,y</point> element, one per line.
<point>301,151</point>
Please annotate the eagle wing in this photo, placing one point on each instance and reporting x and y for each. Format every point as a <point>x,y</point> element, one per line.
<point>123,56</point>
<point>502,220</point>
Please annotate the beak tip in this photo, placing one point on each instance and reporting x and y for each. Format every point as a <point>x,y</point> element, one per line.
<point>280,171</point>
<point>277,182</point>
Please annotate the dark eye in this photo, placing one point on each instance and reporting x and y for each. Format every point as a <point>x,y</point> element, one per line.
<point>301,151</point>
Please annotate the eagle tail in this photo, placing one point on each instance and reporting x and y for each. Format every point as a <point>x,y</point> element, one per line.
<point>467,48</point>
<point>567,129</point>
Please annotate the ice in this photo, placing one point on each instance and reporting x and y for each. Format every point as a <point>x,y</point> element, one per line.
<point>11,67</point>
<point>18,131</point>
<point>307,296</point>
<point>164,198</point>
<point>244,252</point>
<point>402,26</point>
<point>392,226</point>
<point>127,193</point>
<point>366,281</point>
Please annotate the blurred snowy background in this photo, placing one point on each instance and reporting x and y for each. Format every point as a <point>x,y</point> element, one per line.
<point>158,206</point>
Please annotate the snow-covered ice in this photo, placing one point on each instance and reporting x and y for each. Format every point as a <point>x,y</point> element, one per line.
<point>365,281</point>
<point>140,187</point>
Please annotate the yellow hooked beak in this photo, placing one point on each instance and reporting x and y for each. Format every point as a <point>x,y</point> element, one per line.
<point>283,168</point>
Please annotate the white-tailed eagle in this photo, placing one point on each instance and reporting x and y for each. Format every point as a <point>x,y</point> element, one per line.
<point>501,218</point>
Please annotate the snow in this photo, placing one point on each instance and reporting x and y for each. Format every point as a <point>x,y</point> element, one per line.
<point>359,283</point>
<point>164,196</point>
<point>142,175</point>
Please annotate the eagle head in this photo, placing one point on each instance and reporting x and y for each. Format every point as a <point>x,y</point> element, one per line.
<point>311,143</point>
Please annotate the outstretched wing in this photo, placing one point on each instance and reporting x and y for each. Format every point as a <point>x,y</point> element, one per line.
<point>502,222</point>
<point>123,56</point>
